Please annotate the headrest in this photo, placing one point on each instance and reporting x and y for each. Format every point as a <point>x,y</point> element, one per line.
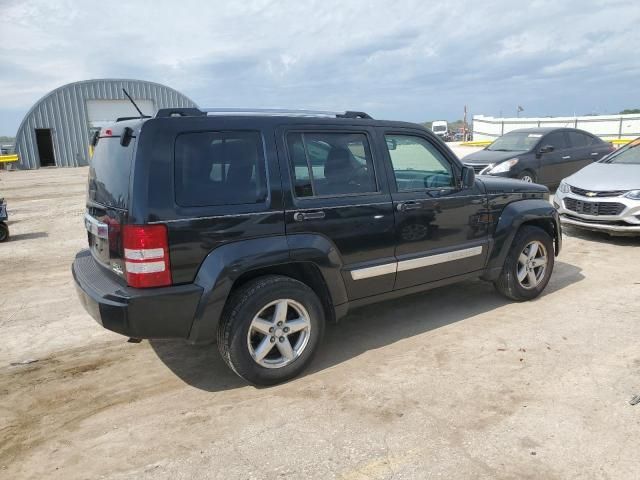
<point>338,163</point>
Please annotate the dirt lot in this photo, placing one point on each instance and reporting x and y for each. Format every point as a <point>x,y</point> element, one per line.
<point>454,383</point>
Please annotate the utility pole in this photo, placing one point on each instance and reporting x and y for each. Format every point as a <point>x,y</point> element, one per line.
<point>464,125</point>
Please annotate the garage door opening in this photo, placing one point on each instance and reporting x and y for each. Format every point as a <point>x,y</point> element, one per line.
<point>45,147</point>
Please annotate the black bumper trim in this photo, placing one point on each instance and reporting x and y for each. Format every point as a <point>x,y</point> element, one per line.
<point>166,312</point>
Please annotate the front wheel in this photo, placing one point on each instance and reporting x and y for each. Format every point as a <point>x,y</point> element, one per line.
<point>527,176</point>
<point>4,232</point>
<point>528,266</point>
<point>270,329</point>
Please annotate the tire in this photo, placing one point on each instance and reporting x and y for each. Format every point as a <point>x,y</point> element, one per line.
<point>527,176</point>
<point>515,287</point>
<point>243,337</point>
<point>4,232</point>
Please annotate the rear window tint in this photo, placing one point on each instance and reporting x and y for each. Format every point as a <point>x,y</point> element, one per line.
<point>580,139</point>
<point>109,171</point>
<point>219,168</point>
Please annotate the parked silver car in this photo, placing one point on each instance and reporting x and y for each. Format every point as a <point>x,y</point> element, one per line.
<point>605,195</point>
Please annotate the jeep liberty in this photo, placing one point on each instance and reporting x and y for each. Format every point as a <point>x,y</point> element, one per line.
<point>253,229</point>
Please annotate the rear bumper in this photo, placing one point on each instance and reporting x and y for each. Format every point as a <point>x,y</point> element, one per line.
<point>166,312</point>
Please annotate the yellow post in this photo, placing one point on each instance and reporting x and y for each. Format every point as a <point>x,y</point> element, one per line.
<point>9,158</point>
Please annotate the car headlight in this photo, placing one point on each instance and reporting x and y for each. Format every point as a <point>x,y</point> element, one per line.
<point>564,187</point>
<point>504,166</point>
<point>487,169</point>
<point>633,195</point>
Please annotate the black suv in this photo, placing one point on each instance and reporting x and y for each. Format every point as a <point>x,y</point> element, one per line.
<point>543,155</point>
<point>255,229</point>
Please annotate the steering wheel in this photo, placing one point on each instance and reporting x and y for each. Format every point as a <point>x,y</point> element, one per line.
<point>433,180</point>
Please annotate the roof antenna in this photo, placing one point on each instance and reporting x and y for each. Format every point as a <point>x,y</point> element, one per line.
<point>142,115</point>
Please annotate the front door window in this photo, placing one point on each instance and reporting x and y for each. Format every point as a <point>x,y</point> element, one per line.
<point>417,164</point>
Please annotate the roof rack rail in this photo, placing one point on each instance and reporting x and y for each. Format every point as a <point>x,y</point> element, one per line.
<point>179,112</point>
<point>195,112</point>
<point>351,114</point>
<point>271,111</point>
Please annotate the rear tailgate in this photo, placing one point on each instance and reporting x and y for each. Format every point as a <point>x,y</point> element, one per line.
<point>108,197</point>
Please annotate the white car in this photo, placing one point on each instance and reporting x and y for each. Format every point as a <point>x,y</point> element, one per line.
<point>605,195</point>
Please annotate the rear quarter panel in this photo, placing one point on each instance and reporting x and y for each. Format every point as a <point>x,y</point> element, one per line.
<point>196,231</point>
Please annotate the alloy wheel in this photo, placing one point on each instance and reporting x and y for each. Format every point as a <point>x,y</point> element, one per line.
<point>532,264</point>
<point>279,333</point>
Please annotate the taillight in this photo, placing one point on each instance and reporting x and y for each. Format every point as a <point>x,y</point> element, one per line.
<point>146,255</point>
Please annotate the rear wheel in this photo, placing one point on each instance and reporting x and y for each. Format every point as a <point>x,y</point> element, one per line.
<point>528,266</point>
<point>4,232</point>
<point>527,176</point>
<point>270,329</point>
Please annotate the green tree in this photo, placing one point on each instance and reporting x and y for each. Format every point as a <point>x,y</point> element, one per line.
<point>630,110</point>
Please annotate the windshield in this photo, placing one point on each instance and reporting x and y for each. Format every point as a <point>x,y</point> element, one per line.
<point>515,142</point>
<point>629,154</point>
<point>439,128</point>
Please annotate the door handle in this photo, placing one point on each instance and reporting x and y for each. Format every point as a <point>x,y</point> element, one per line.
<point>404,206</point>
<point>566,157</point>
<point>595,154</point>
<point>302,216</point>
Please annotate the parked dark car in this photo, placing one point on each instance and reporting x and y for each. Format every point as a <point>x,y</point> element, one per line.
<point>254,230</point>
<point>540,155</point>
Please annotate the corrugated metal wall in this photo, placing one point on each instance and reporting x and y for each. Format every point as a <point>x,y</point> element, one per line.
<point>64,111</point>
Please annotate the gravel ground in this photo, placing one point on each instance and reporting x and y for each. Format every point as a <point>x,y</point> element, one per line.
<point>453,383</point>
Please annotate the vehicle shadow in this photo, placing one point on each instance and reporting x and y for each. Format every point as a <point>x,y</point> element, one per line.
<point>27,236</point>
<point>200,366</point>
<point>365,329</point>
<point>595,236</point>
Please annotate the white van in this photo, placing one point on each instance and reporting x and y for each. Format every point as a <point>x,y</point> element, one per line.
<point>440,128</point>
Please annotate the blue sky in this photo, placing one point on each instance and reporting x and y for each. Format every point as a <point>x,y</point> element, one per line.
<point>410,60</point>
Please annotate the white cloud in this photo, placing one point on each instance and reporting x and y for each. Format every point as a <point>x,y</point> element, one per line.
<point>403,59</point>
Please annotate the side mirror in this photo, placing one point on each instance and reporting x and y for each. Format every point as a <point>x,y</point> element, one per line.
<point>546,149</point>
<point>468,177</point>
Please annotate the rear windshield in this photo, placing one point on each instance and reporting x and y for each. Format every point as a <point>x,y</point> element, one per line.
<point>219,168</point>
<point>109,172</point>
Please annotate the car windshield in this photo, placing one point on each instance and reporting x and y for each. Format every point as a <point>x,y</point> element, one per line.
<point>515,142</point>
<point>629,154</point>
<point>437,128</point>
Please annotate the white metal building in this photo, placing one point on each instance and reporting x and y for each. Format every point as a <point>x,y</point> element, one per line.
<point>57,129</point>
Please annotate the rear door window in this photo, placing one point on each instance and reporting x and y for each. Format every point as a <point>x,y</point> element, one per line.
<point>219,168</point>
<point>579,140</point>
<point>329,164</point>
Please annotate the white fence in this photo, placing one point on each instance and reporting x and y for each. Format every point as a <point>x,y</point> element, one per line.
<point>605,126</point>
